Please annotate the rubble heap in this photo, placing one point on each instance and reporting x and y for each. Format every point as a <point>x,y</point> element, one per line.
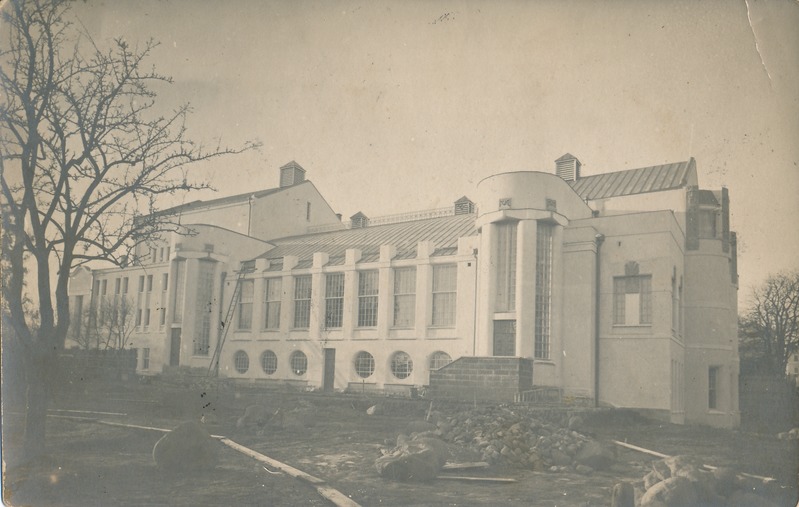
<point>681,481</point>
<point>513,437</point>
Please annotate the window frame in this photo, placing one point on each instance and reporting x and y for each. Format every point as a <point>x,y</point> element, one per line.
<point>368,298</point>
<point>404,300</point>
<point>334,300</point>
<point>302,305</point>
<point>245,304</point>
<point>364,359</point>
<point>401,365</point>
<point>302,357</point>
<point>444,300</point>
<point>273,358</point>
<point>239,357</point>
<point>272,306</point>
<point>644,291</point>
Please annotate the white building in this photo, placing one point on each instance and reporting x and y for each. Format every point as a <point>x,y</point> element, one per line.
<point>619,288</point>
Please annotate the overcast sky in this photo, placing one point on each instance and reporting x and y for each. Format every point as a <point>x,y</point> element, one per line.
<point>396,106</point>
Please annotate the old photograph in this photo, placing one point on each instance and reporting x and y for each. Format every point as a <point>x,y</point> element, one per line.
<point>400,253</point>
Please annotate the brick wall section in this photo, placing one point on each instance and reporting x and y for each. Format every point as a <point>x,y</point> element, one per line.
<point>482,378</point>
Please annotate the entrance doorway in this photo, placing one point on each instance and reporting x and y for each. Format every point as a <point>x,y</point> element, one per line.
<point>174,347</point>
<point>329,379</point>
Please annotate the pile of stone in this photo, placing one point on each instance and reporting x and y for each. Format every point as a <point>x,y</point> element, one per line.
<point>789,435</point>
<point>681,481</point>
<point>513,437</point>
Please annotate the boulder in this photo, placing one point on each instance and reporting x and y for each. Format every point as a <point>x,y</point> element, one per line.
<point>595,455</point>
<point>576,422</point>
<point>375,410</point>
<point>623,495</point>
<point>583,470</point>
<point>417,460</point>
<point>673,492</point>
<point>187,447</point>
<point>560,459</point>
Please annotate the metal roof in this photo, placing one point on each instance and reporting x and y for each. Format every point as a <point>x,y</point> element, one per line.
<point>190,206</point>
<point>443,232</point>
<point>635,181</point>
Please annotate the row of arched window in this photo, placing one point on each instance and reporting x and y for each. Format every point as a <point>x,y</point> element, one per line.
<point>364,363</point>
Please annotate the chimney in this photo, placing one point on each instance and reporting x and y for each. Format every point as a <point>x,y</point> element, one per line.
<point>464,206</point>
<point>568,167</point>
<point>291,174</point>
<point>358,221</point>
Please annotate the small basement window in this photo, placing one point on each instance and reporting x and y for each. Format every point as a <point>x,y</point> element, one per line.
<point>364,364</point>
<point>299,363</point>
<point>241,361</point>
<point>269,362</point>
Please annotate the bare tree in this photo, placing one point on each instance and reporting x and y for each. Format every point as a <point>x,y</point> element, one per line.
<point>770,329</point>
<point>84,158</point>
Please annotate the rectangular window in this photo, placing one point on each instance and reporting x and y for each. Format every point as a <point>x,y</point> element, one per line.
<point>146,317</point>
<point>117,285</point>
<point>334,300</point>
<point>245,304</point>
<point>632,300</point>
<point>307,211</point>
<point>506,267</point>
<point>504,337</point>
<point>149,283</point>
<point>138,317</point>
<point>153,253</point>
<point>367,298</point>
<point>145,359</point>
<point>404,297</point>
<point>164,281</point>
<point>445,285</point>
<point>125,285</point>
<point>141,283</point>
<point>712,387</point>
<point>543,289</point>
<point>204,306</point>
<point>177,304</point>
<point>302,301</point>
<point>273,294</point>
<point>162,317</point>
<point>103,287</point>
<point>161,253</point>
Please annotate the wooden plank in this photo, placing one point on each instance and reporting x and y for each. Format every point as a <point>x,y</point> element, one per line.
<point>465,466</point>
<point>476,479</point>
<point>290,470</point>
<point>709,467</point>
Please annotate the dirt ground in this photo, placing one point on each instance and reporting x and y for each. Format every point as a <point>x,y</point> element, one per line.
<point>328,436</point>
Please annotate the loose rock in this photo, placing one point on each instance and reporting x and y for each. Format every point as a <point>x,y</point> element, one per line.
<point>187,447</point>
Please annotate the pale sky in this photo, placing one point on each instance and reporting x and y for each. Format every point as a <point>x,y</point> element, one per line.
<point>397,106</point>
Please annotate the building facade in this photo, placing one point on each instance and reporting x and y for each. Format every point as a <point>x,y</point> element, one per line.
<point>618,288</point>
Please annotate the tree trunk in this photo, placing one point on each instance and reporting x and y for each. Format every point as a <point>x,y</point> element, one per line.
<point>41,375</point>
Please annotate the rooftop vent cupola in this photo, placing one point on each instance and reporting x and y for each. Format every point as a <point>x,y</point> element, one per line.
<point>291,174</point>
<point>568,167</point>
<point>359,221</point>
<point>464,206</point>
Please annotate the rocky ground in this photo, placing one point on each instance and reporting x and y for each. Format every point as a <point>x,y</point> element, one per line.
<point>553,457</point>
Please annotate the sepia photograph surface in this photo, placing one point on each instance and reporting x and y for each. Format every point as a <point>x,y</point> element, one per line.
<point>399,253</point>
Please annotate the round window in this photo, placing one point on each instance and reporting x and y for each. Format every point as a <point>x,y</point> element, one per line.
<point>364,364</point>
<point>401,365</point>
<point>439,359</point>
<point>241,361</point>
<point>299,363</point>
<point>269,362</point>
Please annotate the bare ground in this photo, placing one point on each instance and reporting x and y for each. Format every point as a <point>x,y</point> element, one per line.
<point>330,437</point>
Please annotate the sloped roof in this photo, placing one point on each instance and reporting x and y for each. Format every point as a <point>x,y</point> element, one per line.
<point>443,232</point>
<point>232,199</point>
<point>635,181</point>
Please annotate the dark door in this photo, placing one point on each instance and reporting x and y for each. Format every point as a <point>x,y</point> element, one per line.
<point>330,370</point>
<point>174,348</point>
